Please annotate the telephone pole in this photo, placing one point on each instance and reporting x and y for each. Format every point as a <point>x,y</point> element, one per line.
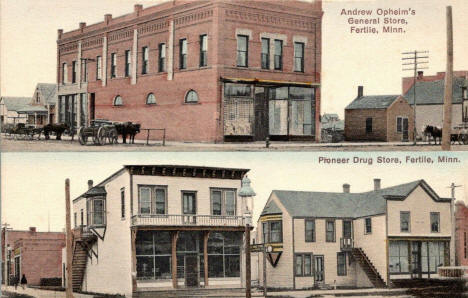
<point>69,284</point>
<point>453,249</point>
<point>415,60</point>
<point>448,93</point>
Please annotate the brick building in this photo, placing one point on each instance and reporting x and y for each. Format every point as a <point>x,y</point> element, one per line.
<point>461,233</point>
<point>387,118</point>
<point>35,254</point>
<point>205,70</point>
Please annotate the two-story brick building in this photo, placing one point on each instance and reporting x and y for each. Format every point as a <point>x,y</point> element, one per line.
<point>204,70</point>
<point>156,227</point>
<point>355,239</point>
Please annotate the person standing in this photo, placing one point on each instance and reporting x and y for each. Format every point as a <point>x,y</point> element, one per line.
<point>24,281</point>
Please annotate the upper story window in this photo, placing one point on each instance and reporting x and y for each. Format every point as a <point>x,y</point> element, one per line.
<point>128,59</point>
<point>122,203</point>
<point>64,73</point>
<point>96,215</point>
<point>75,219</point>
<point>98,67</point>
<point>265,53</point>
<point>183,53</point>
<point>191,97</point>
<point>152,200</point>
<point>272,231</point>
<point>368,125</point>
<point>223,202</point>
<point>368,225</point>
<point>162,57</point>
<point>118,101</point>
<point>330,230</point>
<point>150,99</point>
<point>278,54</point>
<point>38,98</point>
<point>113,65</point>
<point>189,202</point>
<point>299,56</point>
<point>242,50</point>
<point>309,230</point>
<point>74,70</point>
<point>145,59</point>
<point>435,222</point>
<point>404,221</point>
<point>84,70</point>
<point>347,229</point>
<point>203,50</point>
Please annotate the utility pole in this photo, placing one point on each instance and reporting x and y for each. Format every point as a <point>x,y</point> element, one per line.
<point>446,129</point>
<point>69,285</point>
<point>413,65</point>
<point>264,273</point>
<point>6,268</point>
<point>453,249</point>
<point>248,267</point>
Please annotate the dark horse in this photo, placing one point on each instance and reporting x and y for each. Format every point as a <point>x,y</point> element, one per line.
<point>434,132</point>
<point>127,128</point>
<point>57,128</point>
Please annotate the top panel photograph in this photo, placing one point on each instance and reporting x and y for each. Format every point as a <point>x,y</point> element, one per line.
<point>234,75</point>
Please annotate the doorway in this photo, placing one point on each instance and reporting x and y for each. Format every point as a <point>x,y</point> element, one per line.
<point>261,114</point>
<point>405,129</point>
<point>416,271</point>
<point>319,274</point>
<point>92,106</point>
<point>191,270</point>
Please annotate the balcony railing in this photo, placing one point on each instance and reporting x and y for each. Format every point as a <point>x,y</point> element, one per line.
<point>188,220</point>
<point>346,244</point>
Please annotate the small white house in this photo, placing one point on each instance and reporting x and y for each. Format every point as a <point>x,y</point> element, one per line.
<point>367,239</point>
<point>9,107</point>
<point>161,227</point>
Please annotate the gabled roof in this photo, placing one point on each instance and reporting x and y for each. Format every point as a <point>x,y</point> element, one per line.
<point>372,102</point>
<point>95,191</point>
<point>15,103</point>
<point>271,208</point>
<point>345,205</point>
<point>432,92</point>
<point>48,91</point>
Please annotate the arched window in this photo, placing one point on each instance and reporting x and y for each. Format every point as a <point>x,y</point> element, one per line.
<point>150,99</point>
<point>118,101</point>
<point>191,97</point>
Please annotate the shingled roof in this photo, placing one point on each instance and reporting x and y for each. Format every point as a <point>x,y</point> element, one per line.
<point>344,205</point>
<point>48,91</point>
<point>372,102</point>
<point>432,92</point>
<point>15,103</point>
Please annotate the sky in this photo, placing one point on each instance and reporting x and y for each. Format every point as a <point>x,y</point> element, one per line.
<point>33,184</point>
<point>29,31</point>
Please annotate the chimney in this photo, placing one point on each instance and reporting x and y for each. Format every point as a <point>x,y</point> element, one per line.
<point>59,33</point>
<point>90,184</point>
<point>360,91</point>
<point>138,8</point>
<point>420,75</point>
<point>377,184</point>
<point>107,18</point>
<point>32,229</point>
<point>82,26</point>
<point>346,188</point>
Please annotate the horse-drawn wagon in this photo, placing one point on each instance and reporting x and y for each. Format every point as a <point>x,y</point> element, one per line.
<point>100,131</point>
<point>460,134</point>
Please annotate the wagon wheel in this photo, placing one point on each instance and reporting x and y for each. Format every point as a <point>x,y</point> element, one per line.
<point>101,136</point>
<point>112,136</point>
<point>82,138</point>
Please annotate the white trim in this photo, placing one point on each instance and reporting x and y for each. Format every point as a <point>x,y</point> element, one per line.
<point>240,31</point>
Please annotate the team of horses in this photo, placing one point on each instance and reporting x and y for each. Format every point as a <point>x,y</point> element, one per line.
<point>435,133</point>
<point>27,131</point>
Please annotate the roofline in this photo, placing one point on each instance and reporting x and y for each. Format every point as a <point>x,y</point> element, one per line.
<point>111,177</point>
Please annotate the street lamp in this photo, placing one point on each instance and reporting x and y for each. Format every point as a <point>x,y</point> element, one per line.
<point>247,193</point>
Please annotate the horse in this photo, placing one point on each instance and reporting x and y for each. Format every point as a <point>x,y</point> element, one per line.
<point>434,132</point>
<point>127,128</point>
<point>57,128</point>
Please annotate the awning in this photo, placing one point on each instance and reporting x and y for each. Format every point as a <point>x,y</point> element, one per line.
<point>269,82</point>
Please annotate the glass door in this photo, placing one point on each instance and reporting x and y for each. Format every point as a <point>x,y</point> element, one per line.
<point>319,274</point>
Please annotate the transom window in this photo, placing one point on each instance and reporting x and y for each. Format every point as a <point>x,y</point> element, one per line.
<point>150,99</point>
<point>191,97</point>
<point>152,199</point>
<point>118,101</point>
<point>223,202</point>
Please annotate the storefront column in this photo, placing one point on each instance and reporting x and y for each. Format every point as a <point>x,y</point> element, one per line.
<point>206,235</point>
<point>134,270</point>
<point>174,237</point>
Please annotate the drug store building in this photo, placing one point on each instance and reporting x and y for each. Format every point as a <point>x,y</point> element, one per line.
<point>206,71</point>
<point>160,227</point>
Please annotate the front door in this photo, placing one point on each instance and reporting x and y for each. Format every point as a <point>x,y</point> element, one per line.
<point>92,106</point>
<point>319,274</point>
<point>416,259</point>
<point>405,129</point>
<point>261,114</point>
<point>191,270</point>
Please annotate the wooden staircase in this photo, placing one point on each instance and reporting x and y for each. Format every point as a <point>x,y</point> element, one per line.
<point>366,265</point>
<point>80,256</point>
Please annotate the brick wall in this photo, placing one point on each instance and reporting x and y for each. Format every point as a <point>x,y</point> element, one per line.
<point>355,125</point>
<point>461,234</point>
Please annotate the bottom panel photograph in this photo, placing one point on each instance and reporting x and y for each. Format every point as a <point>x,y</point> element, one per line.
<point>234,224</point>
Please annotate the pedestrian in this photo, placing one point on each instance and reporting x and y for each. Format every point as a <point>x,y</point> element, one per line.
<point>24,281</point>
<point>15,282</point>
